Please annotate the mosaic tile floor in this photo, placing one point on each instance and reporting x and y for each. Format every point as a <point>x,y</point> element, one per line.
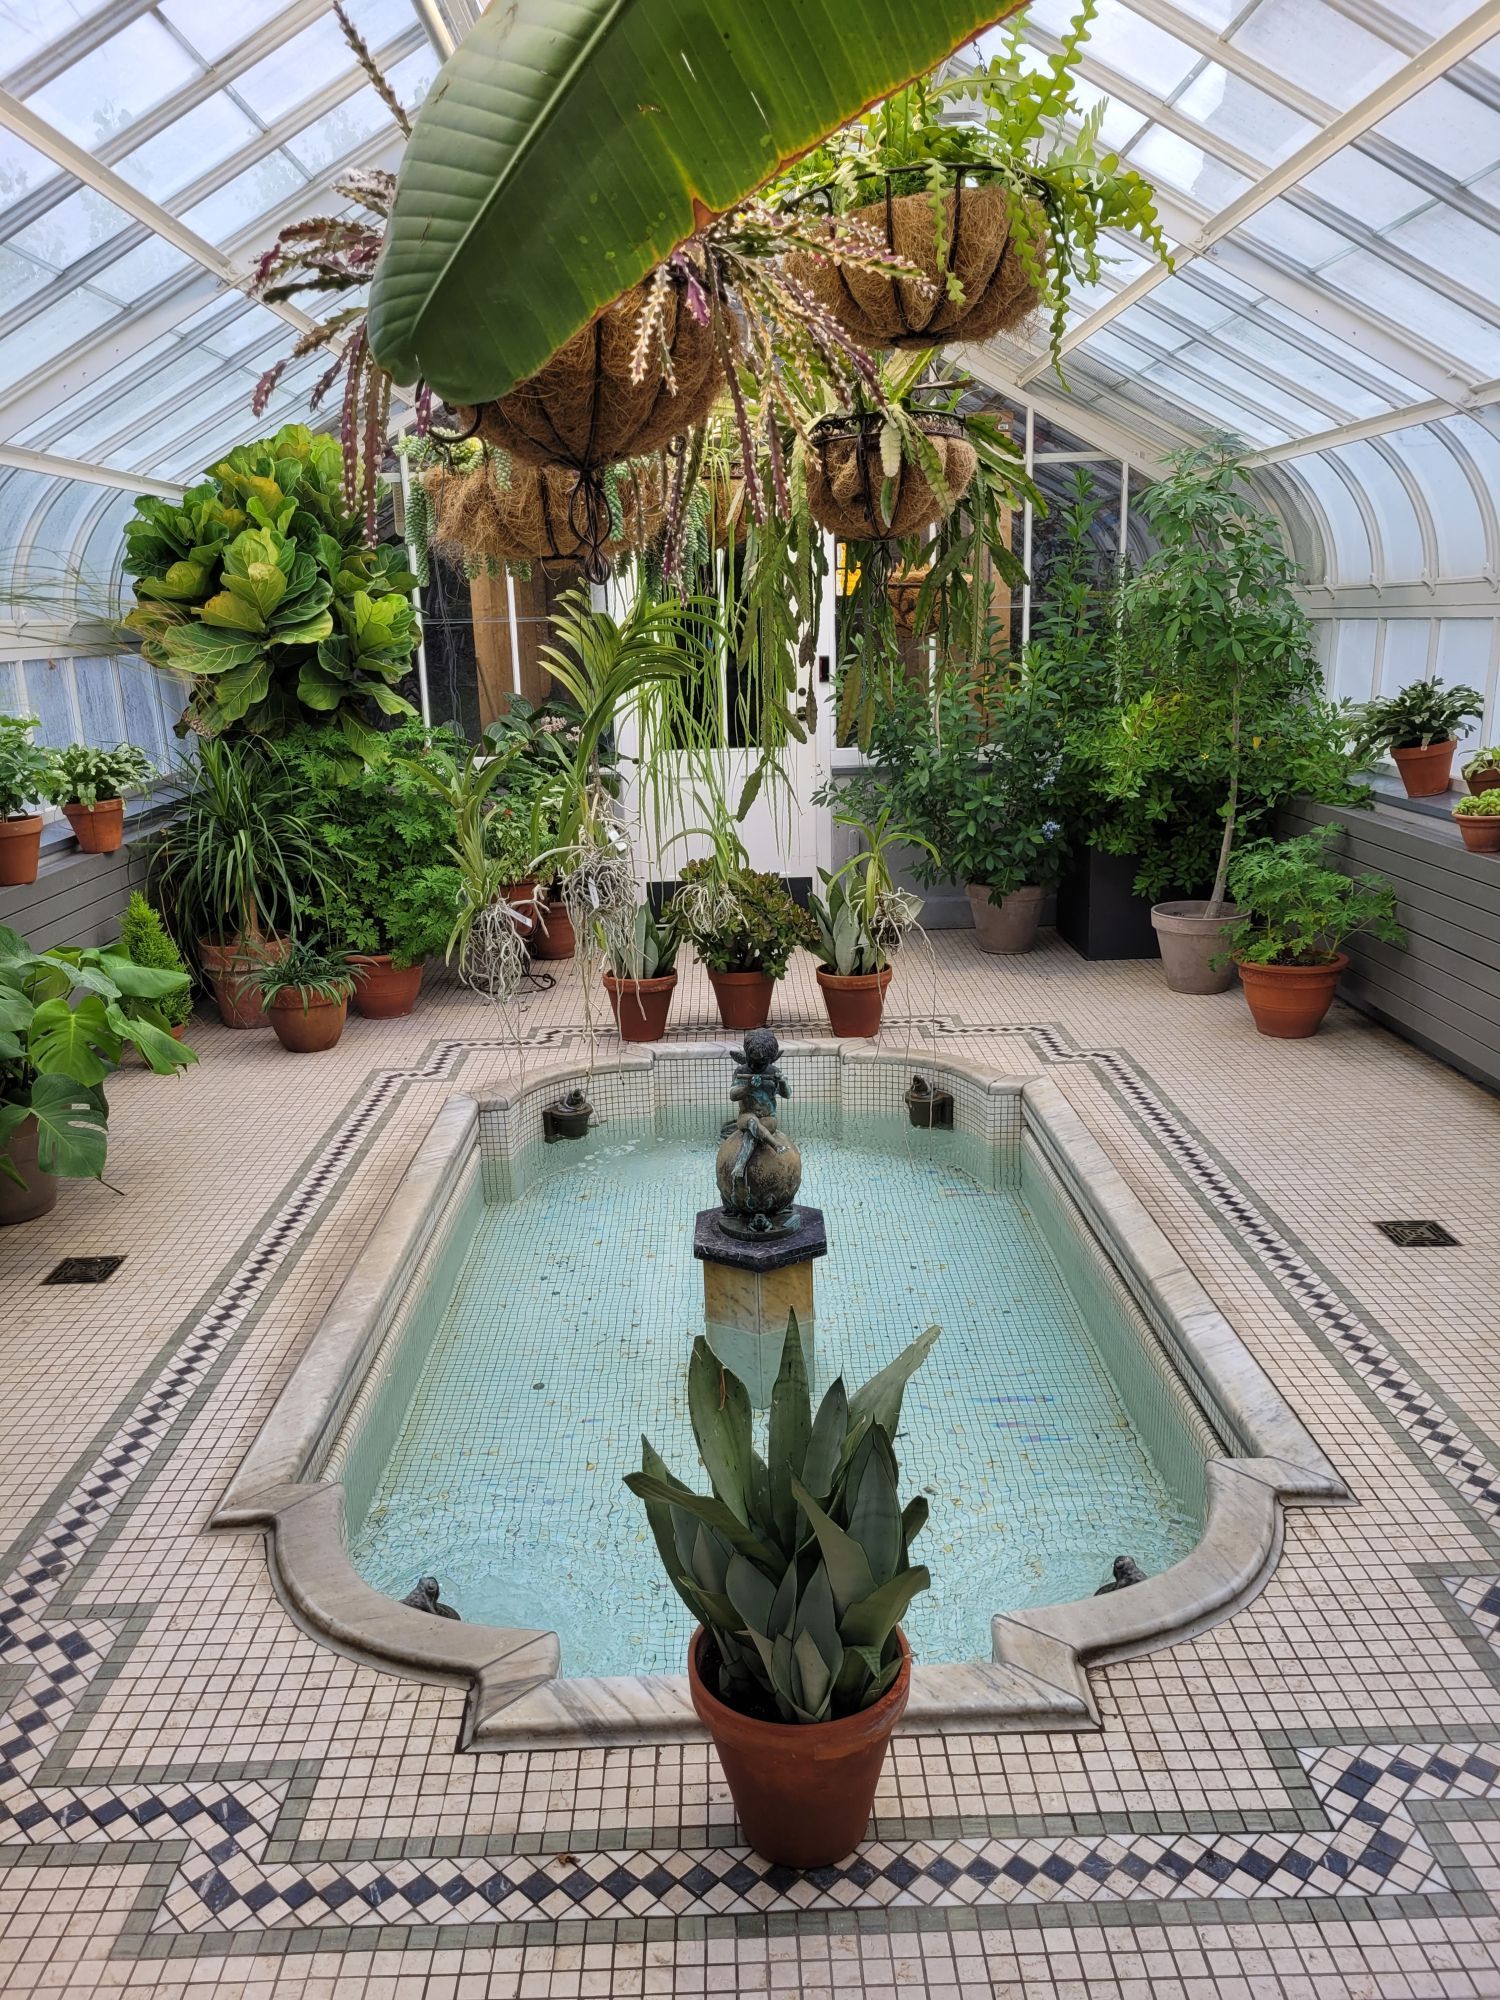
<point>194,1796</point>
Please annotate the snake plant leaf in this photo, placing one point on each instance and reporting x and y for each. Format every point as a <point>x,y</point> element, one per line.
<point>848,1566</point>
<point>719,1406</point>
<point>569,145</point>
<point>790,1428</point>
<point>872,1621</point>
<point>817,1680</point>
<point>875,1515</point>
<point>913,1521</point>
<point>752,1594</point>
<point>714,1512</point>
<point>879,1399</point>
<point>830,1427</point>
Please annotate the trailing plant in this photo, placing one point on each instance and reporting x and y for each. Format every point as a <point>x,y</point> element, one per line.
<point>144,941</point>
<point>257,588</point>
<point>64,1026</point>
<point>29,776</point>
<point>649,952</point>
<point>1421,713</point>
<point>1479,805</point>
<point>797,1565</point>
<point>1298,911</point>
<point>864,916</point>
<point>86,775</point>
<point>309,970</point>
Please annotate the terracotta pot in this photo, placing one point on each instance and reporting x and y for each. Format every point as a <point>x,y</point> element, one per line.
<point>1190,941</point>
<point>305,1023</point>
<point>1009,925</point>
<point>1481,831</point>
<point>20,850</point>
<point>39,1195</point>
<point>384,991</point>
<point>229,969</point>
<point>744,997</point>
<point>553,937</point>
<point>1289,1001</point>
<point>98,829</point>
<point>803,1791</point>
<point>854,1001</point>
<point>640,1006</point>
<point>1485,779</point>
<point>1426,772</point>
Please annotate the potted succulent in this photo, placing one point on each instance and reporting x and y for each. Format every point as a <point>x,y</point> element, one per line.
<point>306,995</point>
<point>1482,770</point>
<point>28,778</point>
<point>91,786</point>
<point>66,1018</point>
<point>144,941</point>
<point>858,924</point>
<point>1298,916</point>
<point>641,978</point>
<point>1420,726</point>
<point>797,1567</point>
<point>744,926</point>
<point>1478,820</point>
<point>244,853</point>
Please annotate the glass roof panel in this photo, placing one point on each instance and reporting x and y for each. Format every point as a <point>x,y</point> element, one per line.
<point>191,146</point>
<point>114,83</point>
<point>1169,161</point>
<point>233,208</point>
<point>1317,48</point>
<point>32,25</point>
<point>50,330</point>
<point>213,30</point>
<point>1365,190</point>
<point>1449,127</point>
<point>71,228</point>
<point>1233,109</point>
<point>1132,47</point>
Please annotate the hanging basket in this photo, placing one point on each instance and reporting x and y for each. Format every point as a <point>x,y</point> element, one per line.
<point>849,494</point>
<point>583,410</point>
<point>551,515</point>
<point>965,235</point>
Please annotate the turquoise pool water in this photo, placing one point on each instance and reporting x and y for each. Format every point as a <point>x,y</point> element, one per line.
<point>495,1461</point>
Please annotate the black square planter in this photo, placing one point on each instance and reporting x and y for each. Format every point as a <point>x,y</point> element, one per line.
<point>1098,912</point>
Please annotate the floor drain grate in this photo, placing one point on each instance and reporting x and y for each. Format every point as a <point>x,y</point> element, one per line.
<point>1418,1235</point>
<point>83,1270</point>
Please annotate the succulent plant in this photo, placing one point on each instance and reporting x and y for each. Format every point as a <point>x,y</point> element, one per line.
<point>649,953</point>
<point>797,1564</point>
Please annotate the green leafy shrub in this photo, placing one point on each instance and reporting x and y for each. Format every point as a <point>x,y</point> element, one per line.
<point>745,921</point>
<point>797,1565</point>
<point>1479,805</point>
<point>85,775</point>
<point>1297,910</point>
<point>144,940</point>
<point>257,588</point>
<point>28,773</point>
<point>1415,716</point>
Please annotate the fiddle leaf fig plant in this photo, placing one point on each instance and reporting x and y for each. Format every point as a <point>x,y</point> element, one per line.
<point>797,1565</point>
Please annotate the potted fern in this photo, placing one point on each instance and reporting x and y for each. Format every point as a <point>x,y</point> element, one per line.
<point>858,924</point>
<point>91,787</point>
<point>641,977</point>
<point>797,1567</point>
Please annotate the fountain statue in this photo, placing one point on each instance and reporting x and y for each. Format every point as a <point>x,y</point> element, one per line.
<point>758,1168</point>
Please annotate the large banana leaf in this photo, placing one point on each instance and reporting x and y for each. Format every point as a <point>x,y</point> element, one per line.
<point>569,145</point>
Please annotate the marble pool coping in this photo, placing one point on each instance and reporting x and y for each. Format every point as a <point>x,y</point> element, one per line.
<point>1037,1677</point>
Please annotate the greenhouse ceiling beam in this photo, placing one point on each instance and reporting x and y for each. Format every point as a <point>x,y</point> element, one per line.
<point>18,459</point>
<point>1483,397</point>
<point>437,28</point>
<point>80,40</point>
<point>1471,33</point>
<point>1112,438</point>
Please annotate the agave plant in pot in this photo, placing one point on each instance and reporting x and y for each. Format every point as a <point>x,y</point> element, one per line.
<point>859,923</point>
<point>797,1567</point>
<point>1420,726</point>
<point>641,976</point>
<point>1297,916</point>
<point>28,779</point>
<point>306,996</point>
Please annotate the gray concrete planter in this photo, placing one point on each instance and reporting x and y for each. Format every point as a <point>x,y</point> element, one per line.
<point>1189,941</point>
<point>1008,924</point>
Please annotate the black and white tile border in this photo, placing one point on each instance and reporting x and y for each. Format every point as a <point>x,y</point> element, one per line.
<point>1372,1845</point>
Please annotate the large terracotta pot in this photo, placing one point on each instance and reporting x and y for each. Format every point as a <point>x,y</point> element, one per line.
<point>39,1195</point>
<point>1289,1001</point>
<point>384,991</point>
<point>230,969</point>
<point>306,1023</point>
<point>1481,831</point>
<point>1425,772</point>
<point>20,850</point>
<point>744,997</point>
<point>98,829</point>
<point>854,1001</point>
<point>1190,941</point>
<point>803,1791</point>
<point>1009,925</point>
<point>554,936</point>
<point>640,1006</point>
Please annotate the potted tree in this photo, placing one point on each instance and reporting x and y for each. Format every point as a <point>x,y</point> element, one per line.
<point>242,856</point>
<point>798,1569</point>
<point>28,779</point>
<point>1478,820</point>
<point>858,924</point>
<point>66,1018</point>
<point>1419,725</point>
<point>144,941</point>
<point>1297,916</point>
<point>744,926</point>
<point>306,996</point>
<point>641,977</point>
<point>91,787</point>
<point>1482,771</point>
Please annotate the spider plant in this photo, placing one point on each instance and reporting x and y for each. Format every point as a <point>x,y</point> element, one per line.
<point>310,971</point>
<point>863,917</point>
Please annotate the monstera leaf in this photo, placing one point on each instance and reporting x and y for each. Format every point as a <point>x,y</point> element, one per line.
<point>569,145</point>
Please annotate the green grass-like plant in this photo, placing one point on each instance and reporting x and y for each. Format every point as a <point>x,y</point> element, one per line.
<point>308,970</point>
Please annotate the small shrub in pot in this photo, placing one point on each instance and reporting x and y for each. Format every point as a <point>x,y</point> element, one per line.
<point>1481,772</point>
<point>28,779</point>
<point>744,926</point>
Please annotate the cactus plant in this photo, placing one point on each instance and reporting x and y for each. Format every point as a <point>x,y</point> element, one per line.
<point>796,1564</point>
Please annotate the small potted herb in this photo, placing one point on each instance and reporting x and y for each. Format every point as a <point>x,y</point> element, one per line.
<point>744,926</point>
<point>858,923</point>
<point>144,941</point>
<point>28,778</point>
<point>1420,726</point>
<point>641,978</point>
<point>91,790</point>
<point>1482,770</point>
<point>798,1569</point>
<point>1298,916</point>
<point>1478,820</point>
<point>306,995</point>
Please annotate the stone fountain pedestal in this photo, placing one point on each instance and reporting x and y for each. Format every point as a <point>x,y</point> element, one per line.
<point>750,1286</point>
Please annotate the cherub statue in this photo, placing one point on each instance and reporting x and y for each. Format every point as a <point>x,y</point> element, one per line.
<point>758,1168</point>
